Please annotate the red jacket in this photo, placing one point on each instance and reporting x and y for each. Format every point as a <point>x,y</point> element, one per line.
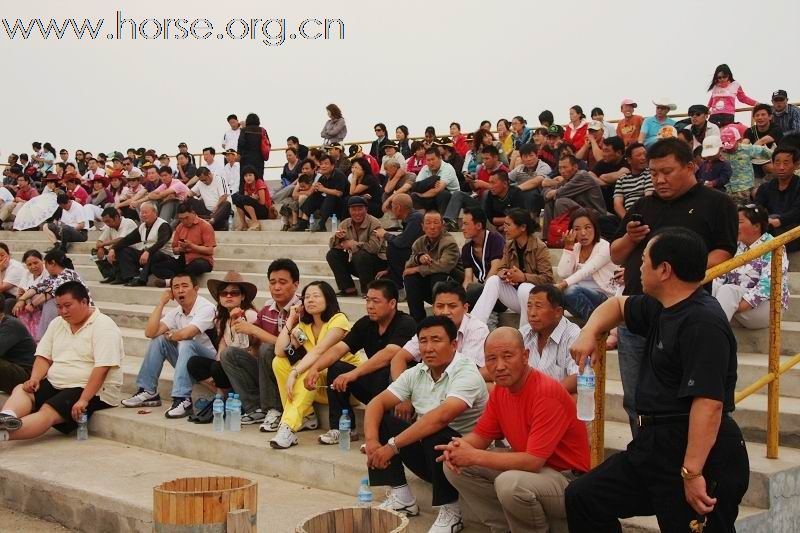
<point>576,137</point>
<point>460,145</point>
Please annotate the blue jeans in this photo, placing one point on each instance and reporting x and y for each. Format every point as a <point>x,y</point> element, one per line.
<point>178,354</point>
<point>630,348</point>
<point>581,301</point>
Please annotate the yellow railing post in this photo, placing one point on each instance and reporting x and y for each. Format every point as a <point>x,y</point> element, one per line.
<point>773,389</point>
<point>598,426</point>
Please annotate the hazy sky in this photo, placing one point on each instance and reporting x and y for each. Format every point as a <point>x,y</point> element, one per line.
<point>414,62</point>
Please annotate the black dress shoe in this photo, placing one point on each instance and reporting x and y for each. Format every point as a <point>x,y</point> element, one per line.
<point>118,282</point>
<point>108,280</point>
<point>136,282</point>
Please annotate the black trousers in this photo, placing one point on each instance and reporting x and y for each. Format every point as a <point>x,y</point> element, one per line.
<point>241,200</point>
<point>129,212</point>
<point>419,457</point>
<point>363,389</point>
<point>327,205</point>
<point>362,265</point>
<point>645,480</point>
<point>128,261</point>
<point>396,259</point>
<point>167,269</point>
<point>419,289</point>
<point>218,218</point>
<point>67,234</point>
<point>202,368</point>
<point>438,202</point>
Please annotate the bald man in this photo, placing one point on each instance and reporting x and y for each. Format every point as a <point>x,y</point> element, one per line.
<point>521,488</point>
<point>398,247</point>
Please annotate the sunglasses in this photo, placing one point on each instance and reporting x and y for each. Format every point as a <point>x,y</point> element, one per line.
<point>226,294</point>
<point>697,114</point>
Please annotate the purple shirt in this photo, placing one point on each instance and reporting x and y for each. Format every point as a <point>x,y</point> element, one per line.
<point>493,245</point>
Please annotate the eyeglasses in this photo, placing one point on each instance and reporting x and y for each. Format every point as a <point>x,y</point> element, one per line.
<point>226,294</point>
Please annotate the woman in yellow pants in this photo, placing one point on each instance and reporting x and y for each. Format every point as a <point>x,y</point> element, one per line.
<point>313,327</point>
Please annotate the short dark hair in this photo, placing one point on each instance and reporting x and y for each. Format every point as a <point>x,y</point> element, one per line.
<point>62,199</point>
<point>631,147</point>
<point>325,157</point>
<point>450,287</point>
<point>293,139</point>
<point>331,303</point>
<point>387,288</point>
<point>686,134</point>
<point>191,277</point>
<point>434,321</point>
<point>672,146</point>
<point>593,217</point>
<point>756,214</point>
<point>182,154</point>
<point>596,111</point>
<point>491,149</point>
<point>763,107</point>
<point>110,212</point>
<point>232,117</point>
<point>4,247</point>
<point>457,125</point>
<point>416,145</point>
<point>184,207</point>
<point>683,249</point>
<point>203,171</point>
<point>76,289</point>
<point>546,116</point>
<point>249,169</point>
<point>210,149</point>
<point>554,294</point>
<point>433,151</point>
<point>522,217</point>
<point>166,169</point>
<point>616,143</point>
<point>502,175</point>
<point>290,149</point>
<point>571,158</point>
<point>527,149</point>
<point>284,264</point>
<point>478,215</point>
<point>792,151</point>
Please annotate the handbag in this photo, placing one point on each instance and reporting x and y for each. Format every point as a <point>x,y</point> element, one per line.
<point>266,146</point>
<point>556,230</point>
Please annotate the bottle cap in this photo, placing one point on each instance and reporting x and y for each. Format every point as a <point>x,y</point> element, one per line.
<point>344,411</point>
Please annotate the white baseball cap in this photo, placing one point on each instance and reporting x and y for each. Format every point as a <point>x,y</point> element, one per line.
<point>712,144</point>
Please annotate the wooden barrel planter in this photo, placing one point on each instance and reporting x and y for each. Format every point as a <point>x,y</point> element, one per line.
<point>206,504</point>
<point>355,520</point>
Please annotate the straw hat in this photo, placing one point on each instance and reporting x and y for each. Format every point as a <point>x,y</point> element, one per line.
<point>232,278</point>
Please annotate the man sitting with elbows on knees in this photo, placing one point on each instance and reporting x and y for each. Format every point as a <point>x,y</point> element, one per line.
<point>519,489</point>
<point>77,370</point>
<point>448,394</point>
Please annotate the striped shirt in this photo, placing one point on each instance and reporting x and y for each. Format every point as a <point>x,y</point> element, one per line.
<point>632,187</point>
<point>555,361</point>
<point>270,319</point>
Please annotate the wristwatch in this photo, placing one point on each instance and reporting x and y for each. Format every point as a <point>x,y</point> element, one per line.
<point>686,475</point>
<point>393,446</point>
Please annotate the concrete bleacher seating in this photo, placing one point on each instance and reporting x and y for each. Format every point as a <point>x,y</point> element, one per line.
<point>111,476</point>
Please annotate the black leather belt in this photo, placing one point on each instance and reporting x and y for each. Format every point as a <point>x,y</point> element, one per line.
<point>657,420</point>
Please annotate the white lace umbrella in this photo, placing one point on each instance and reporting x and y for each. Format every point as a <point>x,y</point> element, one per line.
<point>35,211</point>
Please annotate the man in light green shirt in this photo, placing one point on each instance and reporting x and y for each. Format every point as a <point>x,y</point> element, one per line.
<point>448,394</point>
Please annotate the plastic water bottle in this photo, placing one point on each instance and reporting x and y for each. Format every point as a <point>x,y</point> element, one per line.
<point>334,223</point>
<point>219,414</point>
<point>236,414</point>
<point>229,411</point>
<point>83,427</point>
<point>242,339</point>
<point>344,431</point>
<point>364,494</point>
<point>311,222</point>
<point>586,393</point>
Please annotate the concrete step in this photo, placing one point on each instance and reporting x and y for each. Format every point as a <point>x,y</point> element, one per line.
<point>91,273</point>
<point>104,486</point>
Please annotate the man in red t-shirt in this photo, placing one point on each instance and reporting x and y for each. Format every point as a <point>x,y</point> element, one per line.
<point>521,489</point>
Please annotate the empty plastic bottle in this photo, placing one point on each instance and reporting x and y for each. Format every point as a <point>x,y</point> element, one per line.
<point>83,427</point>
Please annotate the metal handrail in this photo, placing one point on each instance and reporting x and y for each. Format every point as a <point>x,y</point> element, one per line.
<point>771,379</point>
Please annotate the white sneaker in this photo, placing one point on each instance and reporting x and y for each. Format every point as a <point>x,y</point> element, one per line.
<point>310,422</point>
<point>143,398</point>
<point>332,437</point>
<point>181,407</point>
<point>254,417</point>
<point>271,421</point>
<point>284,439</point>
<point>448,520</point>
<point>391,503</point>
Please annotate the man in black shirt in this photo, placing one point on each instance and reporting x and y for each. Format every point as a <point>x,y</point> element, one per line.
<point>780,196</point>
<point>688,445</point>
<point>501,197</point>
<point>16,351</point>
<point>329,196</point>
<point>679,201</point>
<point>381,334</point>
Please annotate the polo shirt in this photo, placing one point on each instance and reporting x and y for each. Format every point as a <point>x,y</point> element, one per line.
<point>690,352</point>
<point>708,212</point>
<point>126,226</point>
<point>200,233</point>
<point>446,173</point>
<point>541,420</point>
<point>75,355</point>
<point>493,245</point>
<point>27,194</point>
<point>270,319</point>
<point>651,126</point>
<point>460,379</point>
<point>555,361</point>
<point>17,346</point>
<point>180,188</point>
<point>75,215</point>
<point>469,341</point>
<point>339,320</point>
<point>633,186</point>
<point>495,206</point>
<point>366,336</point>
<point>231,176</point>
<point>211,193</point>
<point>201,316</point>
<point>215,167</point>
<point>521,174</point>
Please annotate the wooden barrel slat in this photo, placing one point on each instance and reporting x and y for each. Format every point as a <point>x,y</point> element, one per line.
<point>189,504</point>
<point>355,520</point>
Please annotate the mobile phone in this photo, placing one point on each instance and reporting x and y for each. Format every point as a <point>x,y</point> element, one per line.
<point>637,217</point>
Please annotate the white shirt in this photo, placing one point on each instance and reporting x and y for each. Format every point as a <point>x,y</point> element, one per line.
<point>230,173</point>
<point>469,340</point>
<point>134,171</point>
<point>231,139</point>
<point>711,129</point>
<point>216,167</point>
<point>201,316</point>
<point>126,226</point>
<point>447,174</point>
<point>89,174</point>
<point>27,280</point>
<point>212,192</point>
<point>5,195</point>
<point>14,274</point>
<point>76,215</point>
<point>556,361</point>
<point>396,157</point>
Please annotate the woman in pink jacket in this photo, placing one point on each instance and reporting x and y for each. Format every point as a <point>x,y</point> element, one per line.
<point>724,92</point>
